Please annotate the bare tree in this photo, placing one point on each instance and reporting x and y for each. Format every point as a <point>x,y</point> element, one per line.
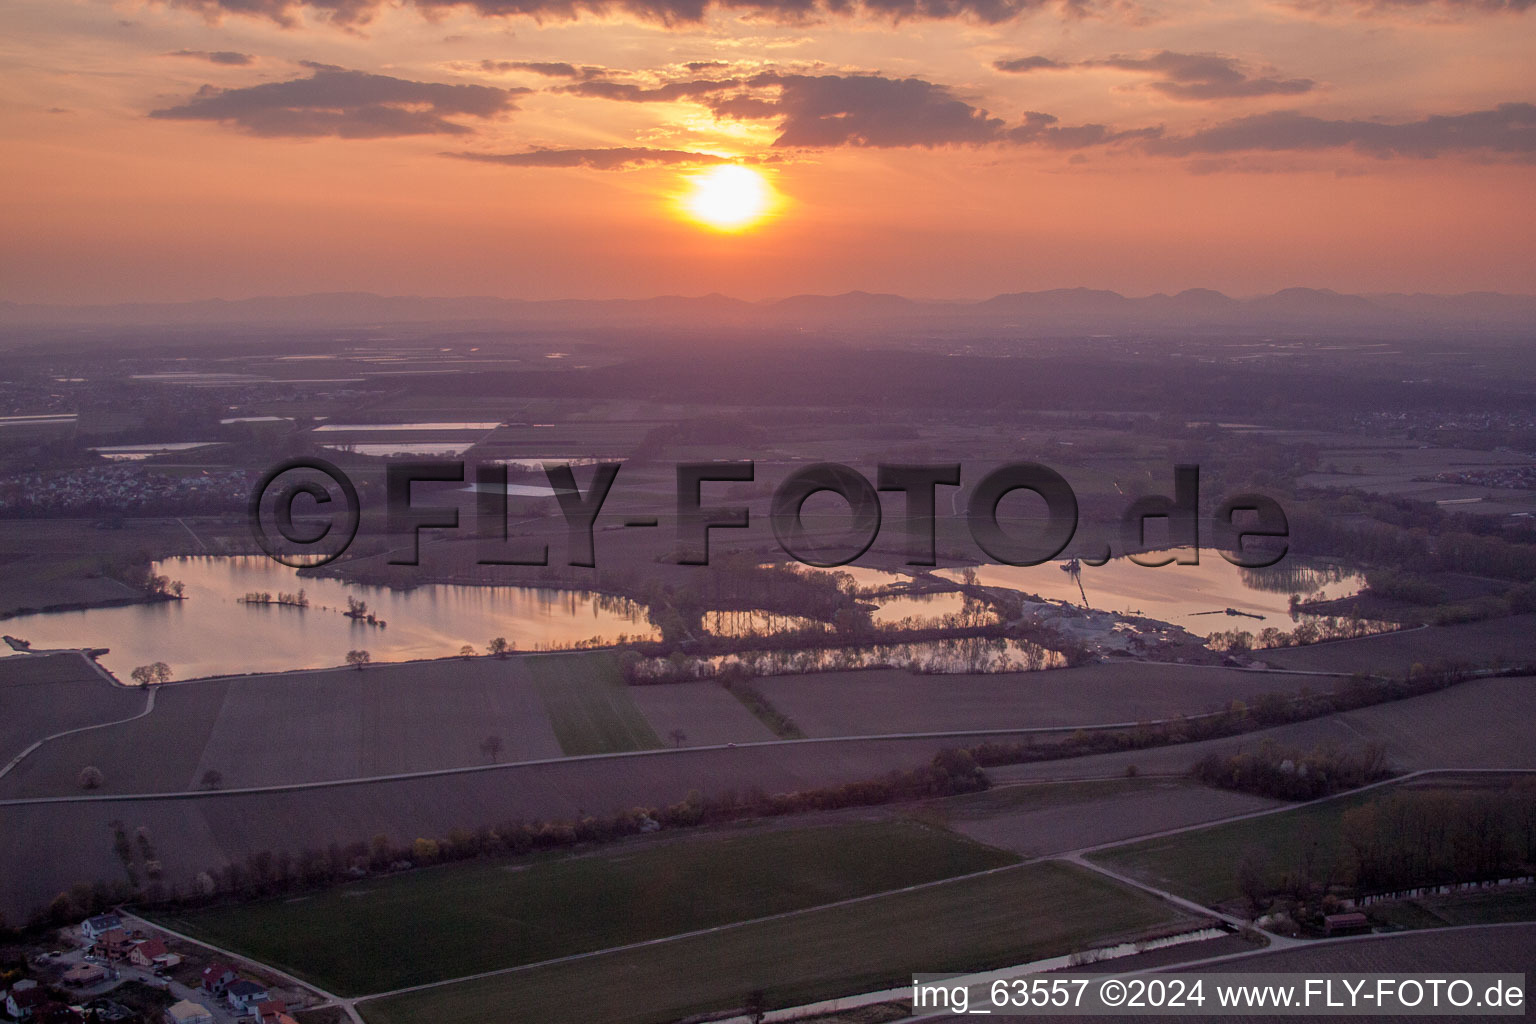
<point>466,652</point>
<point>358,659</point>
<point>499,646</point>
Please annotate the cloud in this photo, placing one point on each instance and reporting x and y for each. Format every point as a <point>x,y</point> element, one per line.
<point>868,110</point>
<point>1019,65</point>
<point>284,12</point>
<point>1182,76</point>
<point>547,68</point>
<point>1509,129</point>
<point>1045,130</point>
<point>616,158</point>
<point>1460,6</point>
<point>345,104</point>
<point>628,92</point>
<point>666,12</point>
<point>822,111</point>
<point>216,56</point>
<point>871,111</point>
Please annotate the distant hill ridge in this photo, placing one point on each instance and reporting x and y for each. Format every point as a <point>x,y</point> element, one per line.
<point>1059,308</point>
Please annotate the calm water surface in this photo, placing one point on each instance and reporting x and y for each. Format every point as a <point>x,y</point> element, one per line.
<point>1181,594</point>
<point>213,632</point>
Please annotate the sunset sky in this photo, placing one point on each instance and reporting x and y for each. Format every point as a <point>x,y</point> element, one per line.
<point>938,148</point>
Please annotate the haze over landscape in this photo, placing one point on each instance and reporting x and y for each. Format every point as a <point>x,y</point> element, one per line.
<point>199,148</point>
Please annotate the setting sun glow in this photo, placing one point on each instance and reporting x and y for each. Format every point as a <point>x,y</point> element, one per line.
<point>728,197</point>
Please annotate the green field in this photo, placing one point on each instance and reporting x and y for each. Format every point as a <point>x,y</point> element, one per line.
<point>996,920</point>
<point>461,919</point>
<point>1202,864</point>
<point>589,705</point>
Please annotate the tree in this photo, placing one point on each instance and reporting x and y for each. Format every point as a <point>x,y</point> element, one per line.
<point>491,748</point>
<point>678,737</point>
<point>466,652</point>
<point>499,646</point>
<point>90,777</point>
<point>151,675</point>
<point>358,659</point>
<point>213,778</point>
<point>1253,879</point>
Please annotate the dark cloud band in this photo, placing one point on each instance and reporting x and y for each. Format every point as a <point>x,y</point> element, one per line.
<point>666,12</point>
<point>1181,76</point>
<point>612,159</point>
<point>345,104</point>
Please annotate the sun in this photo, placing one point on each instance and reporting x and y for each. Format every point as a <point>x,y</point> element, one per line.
<point>728,197</point>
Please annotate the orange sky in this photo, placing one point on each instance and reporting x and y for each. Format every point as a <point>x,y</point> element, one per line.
<point>1363,145</point>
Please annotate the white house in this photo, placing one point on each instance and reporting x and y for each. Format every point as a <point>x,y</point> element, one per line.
<point>22,998</point>
<point>245,996</point>
<point>92,928</point>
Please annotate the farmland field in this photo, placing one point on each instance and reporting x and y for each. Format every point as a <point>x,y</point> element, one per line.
<point>302,727</point>
<point>49,847</point>
<point>461,919</point>
<point>45,694</point>
<point>589,705</point>
<point>1477,724</point>
<point>1506,640</point>
<point>1044,819</point>
<point>1201,864</point>
<point>895,701</point>
<point>705,713</point>
<point>1010,917</point>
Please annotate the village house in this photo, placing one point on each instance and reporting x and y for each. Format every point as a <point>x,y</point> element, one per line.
<point>83,975</point>
<point>244,996</point>
<point>144,953</point>
<point>188,1012</point>
<point>94,927</point>
<point>217,977</point>
<point>114,943</point>
<point>22,998</point>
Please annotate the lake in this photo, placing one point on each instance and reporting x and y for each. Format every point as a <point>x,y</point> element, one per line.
<point>213,632</point>
<point>1185,595</point>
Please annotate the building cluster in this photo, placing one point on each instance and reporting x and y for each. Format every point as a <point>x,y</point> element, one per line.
<point>221,995</point>
<point>244,998</point>
<point>121,490</point>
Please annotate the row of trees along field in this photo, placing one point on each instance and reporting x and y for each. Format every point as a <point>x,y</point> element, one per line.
<point>1408,840</point>
<point>266,873</point>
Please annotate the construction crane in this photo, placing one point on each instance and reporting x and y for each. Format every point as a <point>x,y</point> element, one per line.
<point>1074,568</point>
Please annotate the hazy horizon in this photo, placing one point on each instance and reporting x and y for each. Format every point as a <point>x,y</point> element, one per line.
<point>176,150</point>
